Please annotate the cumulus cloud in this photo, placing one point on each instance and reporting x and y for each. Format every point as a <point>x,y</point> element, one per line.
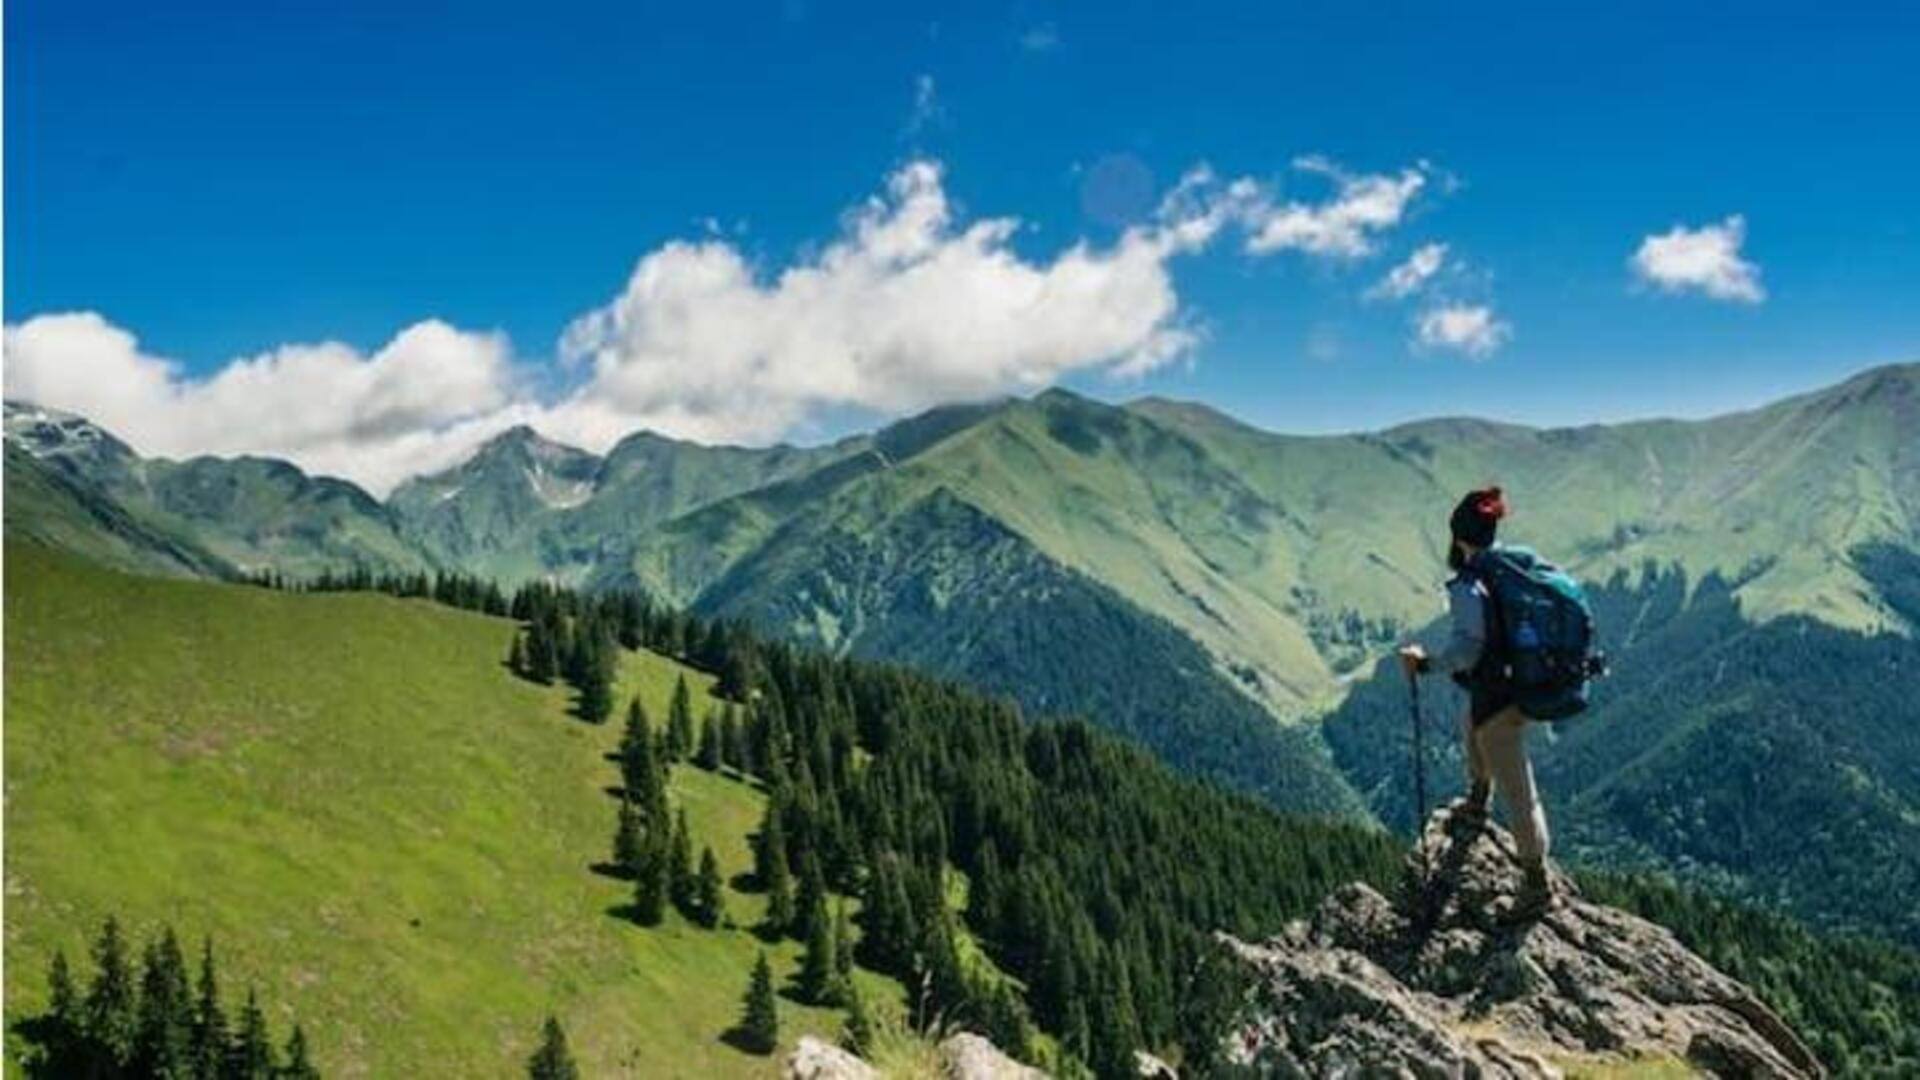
<point>1705,260</point>
<point>1410,276</point>
<point>420,402</point>
<point>1344,224</point>
<point>907,306</point>
<point>1472,329</point>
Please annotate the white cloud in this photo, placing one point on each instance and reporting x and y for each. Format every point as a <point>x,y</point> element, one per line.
<point>1361,206</point>
<point>1468,328</point>
<point>1705,260</point>
<point>907,307</point>
<point>905,310</point>
<point>421,402</point>
<point>1406,279</point>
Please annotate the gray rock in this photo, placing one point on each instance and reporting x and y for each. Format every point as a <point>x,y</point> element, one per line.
<point>971,1057</point>
<point>1449,982</point>
<point>815,1059</point>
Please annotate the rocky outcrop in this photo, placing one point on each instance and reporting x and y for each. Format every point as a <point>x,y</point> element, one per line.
<point>817,1059</point>
<point>1452,981</point>
<point>970,1057</point>
<point>965,1056</point>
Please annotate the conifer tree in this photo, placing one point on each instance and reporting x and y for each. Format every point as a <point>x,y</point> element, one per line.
<point>251,1055</point>
<point>553,1060</point>
<point>733,749</point>
<point>760,1022</point>
<point>166,1010</point>
<point>626,839</point>
<point>816,966</point>
<point>111,1018</point>
<point>596,695</point>
<point>857,1035</point>
<point>66,1018</point>
<point>770,853</point>
<point>709,756</point>
<point>650,886</point>
<point>680,722</point>
<point>640,771</point>
<point>542,662</point>
<point>209,1044</point>
<point>517,655</point>
<point>842,945</point>
<point>298,1066</point>
<point>680,880</point>
<point>709,899</point>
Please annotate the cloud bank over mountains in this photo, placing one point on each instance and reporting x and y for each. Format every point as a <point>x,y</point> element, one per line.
<point>909,306</point>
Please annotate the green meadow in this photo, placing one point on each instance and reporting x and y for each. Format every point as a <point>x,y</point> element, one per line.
<point>383,830</point>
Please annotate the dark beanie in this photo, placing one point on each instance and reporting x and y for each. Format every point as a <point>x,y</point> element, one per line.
<point>1478,516</point>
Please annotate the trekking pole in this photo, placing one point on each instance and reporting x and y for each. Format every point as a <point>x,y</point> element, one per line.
<point>1419,758</point>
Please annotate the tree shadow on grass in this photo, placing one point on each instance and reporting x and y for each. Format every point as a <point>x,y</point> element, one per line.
<point>611,870</point>
<point>740,1039</point>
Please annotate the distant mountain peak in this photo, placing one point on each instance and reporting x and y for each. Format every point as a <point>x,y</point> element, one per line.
<point>47,433</point>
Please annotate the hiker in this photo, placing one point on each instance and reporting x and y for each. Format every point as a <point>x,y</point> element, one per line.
<point>1494,728</point>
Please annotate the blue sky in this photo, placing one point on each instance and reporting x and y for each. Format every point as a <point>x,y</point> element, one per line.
<point>219,180</point>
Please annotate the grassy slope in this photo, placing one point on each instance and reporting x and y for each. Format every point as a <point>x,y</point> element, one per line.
<point>381,827</point>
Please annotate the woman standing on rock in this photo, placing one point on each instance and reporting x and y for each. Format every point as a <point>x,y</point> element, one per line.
<point>1494,729</point>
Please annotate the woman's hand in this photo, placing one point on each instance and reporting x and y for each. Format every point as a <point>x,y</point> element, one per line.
<point>1413,659</point>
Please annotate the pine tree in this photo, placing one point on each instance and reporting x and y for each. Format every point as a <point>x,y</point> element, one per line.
<point>640,771</point>
<point>709,756</point>
<point>596,695</point>
<point>680,721</point>
<point>651,886</point>
<point>66,1018</point>
<point>760,1023</point>
<point>517,655</point>
<point>842,945</point>
<point>770,852</point>
<point>250,1057</point>
<point>816,967</point>
<point>857,1035</point>
<point>209,1044</point>
<point>166,1010</point>
<point>680,880</point>
<point>709,900</point>
<point>298,1066</point>
<point>111,1018</point>
<point>553,1061</point>
<point>733,749</point>
<point>542,663</point>
<point>626,839</point>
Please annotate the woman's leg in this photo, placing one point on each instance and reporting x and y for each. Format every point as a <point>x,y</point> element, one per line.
<point>1502,743</point>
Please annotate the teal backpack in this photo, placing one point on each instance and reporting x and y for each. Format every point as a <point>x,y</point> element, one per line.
<point>1540,632</point>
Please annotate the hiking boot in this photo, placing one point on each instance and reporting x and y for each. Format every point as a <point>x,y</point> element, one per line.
<point>1472,808</point>
<point>1535,896</point>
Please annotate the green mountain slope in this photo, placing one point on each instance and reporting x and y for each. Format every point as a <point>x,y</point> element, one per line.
<point>525,507</point>
<point>53,506</point>
<point>376,822</point>
<point>253,513</point>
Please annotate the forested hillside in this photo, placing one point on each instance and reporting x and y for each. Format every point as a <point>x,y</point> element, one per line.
<point>393,833</point>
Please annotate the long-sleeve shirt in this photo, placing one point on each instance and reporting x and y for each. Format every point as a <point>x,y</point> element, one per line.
<point>1466,630</point>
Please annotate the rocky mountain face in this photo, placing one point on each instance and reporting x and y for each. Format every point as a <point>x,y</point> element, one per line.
<point>1447,981</point>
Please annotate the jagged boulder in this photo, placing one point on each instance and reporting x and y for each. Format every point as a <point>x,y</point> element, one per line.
<point>971,1057</point>
<point>1452,981</point>
<point>815,1059</point>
